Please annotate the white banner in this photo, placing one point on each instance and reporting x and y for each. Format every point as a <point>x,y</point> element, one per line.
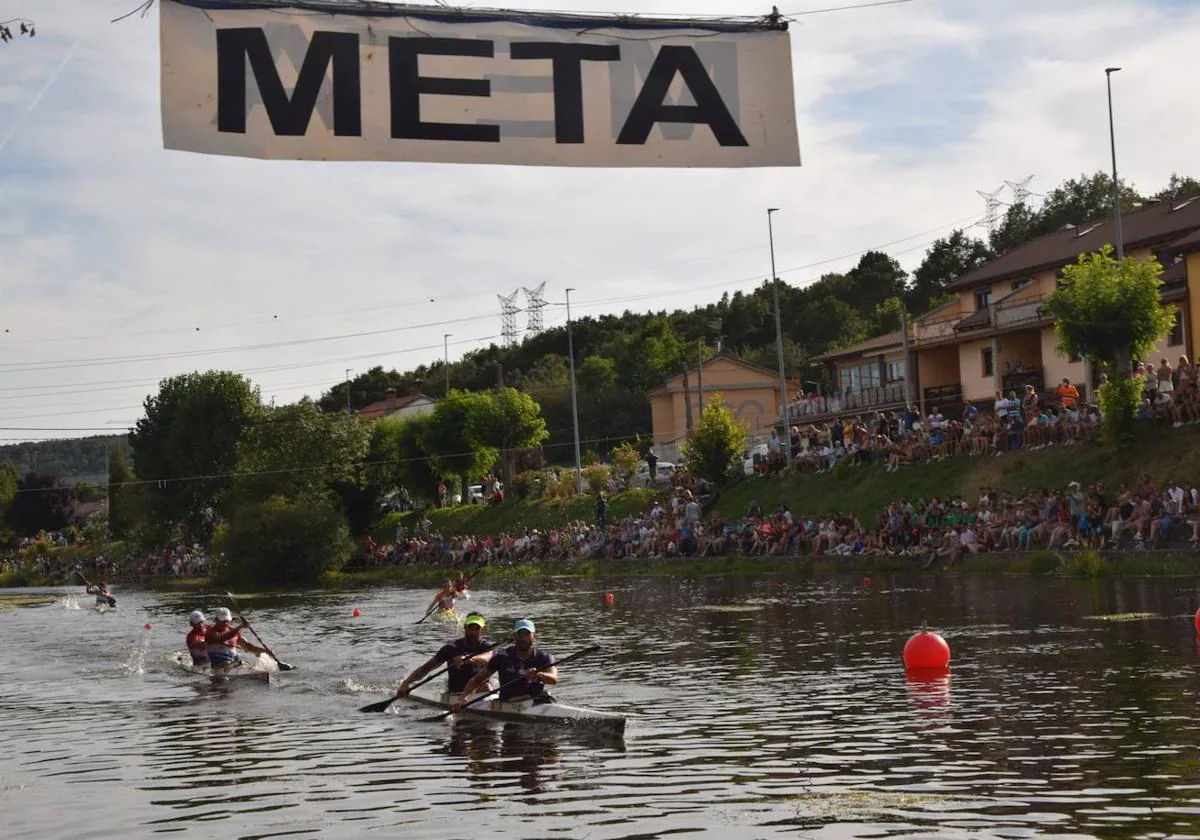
<point>350,80</point>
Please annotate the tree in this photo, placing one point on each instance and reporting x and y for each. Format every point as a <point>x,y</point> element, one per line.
<point>714,448</point>
<point>509,420</point>
<point>1178,188</point>
<point>299,451</point>
<point>1017,228</point>
<point>948,259</point>
<point>876,278</point>
<point>282,542</point>
<point>597,375</point>
<point>8,490</point>
<point>450,440</point>
<point>122,496</point>
<point>41,503</point>
<point>1077,201</point>
<point>1111,312</point>
<point>187,443</point>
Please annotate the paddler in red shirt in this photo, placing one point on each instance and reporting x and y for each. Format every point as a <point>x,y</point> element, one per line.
<point>197,644</point>
<point>223,640</point>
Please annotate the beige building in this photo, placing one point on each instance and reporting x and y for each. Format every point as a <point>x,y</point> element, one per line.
<point>995,334</point>
<point>750,391</point>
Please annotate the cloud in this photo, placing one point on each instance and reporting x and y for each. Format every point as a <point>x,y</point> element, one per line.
<point>114,247</point>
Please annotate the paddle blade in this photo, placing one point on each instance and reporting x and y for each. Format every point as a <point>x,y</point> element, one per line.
<point>435,718</point>
<point>283,666</point>
<point>381,706</point>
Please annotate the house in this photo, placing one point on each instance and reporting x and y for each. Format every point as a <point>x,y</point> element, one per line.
<point>995,334</point>
<point>394,407</point>
<point>750,391</point>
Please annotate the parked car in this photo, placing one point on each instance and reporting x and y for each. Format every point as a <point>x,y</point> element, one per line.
<point>757,453</point>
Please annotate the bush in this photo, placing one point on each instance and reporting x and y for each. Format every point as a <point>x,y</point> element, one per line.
<point>1119,401</point>
<point>283,543</point>
<point>625,463</point>
<point>521,486</point>
<point>596,476</point>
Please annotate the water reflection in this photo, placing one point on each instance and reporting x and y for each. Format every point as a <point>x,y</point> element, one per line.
<point>525,752</point>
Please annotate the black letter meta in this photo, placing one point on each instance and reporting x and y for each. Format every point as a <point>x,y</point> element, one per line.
<point>709,109</point>
<point>408,84</point>
<point>567,66</point>
<point>289,117</point>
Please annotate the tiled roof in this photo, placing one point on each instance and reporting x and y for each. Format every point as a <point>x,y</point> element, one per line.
<point>1148,226</point>
<point>389,406</point>
<point>879,342</point>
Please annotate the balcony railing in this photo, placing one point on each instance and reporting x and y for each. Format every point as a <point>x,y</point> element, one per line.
<point>1020,312</point>
<point>942,327</point>
<point>944,394</point>
<point>1017,380</point>
<point>892,394</point>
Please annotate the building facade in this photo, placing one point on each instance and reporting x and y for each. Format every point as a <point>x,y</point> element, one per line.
<point>996,335</point>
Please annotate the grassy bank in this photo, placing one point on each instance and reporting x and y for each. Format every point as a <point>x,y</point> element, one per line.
<point>862,490</point>
<point>516,516</point>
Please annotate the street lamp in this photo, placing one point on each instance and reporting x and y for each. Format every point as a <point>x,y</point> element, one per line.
<point>446,359</point>
<point>574,402</point>
<point>1112,141</point>
<point>348,390</point>
<point>783,394</point>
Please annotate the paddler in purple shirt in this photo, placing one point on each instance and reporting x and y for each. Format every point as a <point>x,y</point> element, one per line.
<point>523,669</point>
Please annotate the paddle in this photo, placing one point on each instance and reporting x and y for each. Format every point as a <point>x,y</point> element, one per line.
<point>474,700</point>
<point>382,705</point>
<point>112,602</point>
<point>283,666</point>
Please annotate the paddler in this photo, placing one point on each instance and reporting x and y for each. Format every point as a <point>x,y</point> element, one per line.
<point>523,669</point>
<point>196,638</point>
<point>224,638</point>
<point>104,598</point>
<point>444,599</point>
<point>460,586</point>
<point>464,656</point>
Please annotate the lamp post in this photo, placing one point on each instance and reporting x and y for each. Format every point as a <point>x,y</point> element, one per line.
<point>348,390</point>
<point>574,402</point>
<point>783,394</point>
<point>446,359</point>
<point>1112,142</point>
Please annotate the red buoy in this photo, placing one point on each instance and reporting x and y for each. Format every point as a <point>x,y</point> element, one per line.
<point>608,599</point>
<point>926,650</point>
<point>147,626</point>
<point>866,581</point>
<point>1198,622</point>
<point>356,613</point>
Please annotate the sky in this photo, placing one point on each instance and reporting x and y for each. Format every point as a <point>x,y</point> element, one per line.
<point>122,263</point>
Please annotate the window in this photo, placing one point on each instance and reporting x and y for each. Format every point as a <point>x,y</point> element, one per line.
<point>859,377</point>
<point>989,366</point>
<point>896,371</point>
<point>1175,336</point>
<point>1021,284</point>
<point>983,299</point>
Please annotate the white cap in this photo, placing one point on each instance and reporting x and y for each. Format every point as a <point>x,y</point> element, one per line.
<point>223,614</point>
<point>196,617</point>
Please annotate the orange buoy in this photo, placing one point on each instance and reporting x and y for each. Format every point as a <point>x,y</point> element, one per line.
<point>356,612</point>
<point>608,599</point>
<point>926,650</point>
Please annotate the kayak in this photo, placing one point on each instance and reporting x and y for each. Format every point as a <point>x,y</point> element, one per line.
<point>254,667</point>
<point>446,616</point>
<point>527,711</point>
<point>104,608</point>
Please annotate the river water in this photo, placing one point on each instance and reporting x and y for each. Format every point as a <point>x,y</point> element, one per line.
<point>774,706</point>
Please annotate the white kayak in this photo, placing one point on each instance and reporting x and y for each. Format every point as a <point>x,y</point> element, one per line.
<point>529,712</point>
<point>250,666</point>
